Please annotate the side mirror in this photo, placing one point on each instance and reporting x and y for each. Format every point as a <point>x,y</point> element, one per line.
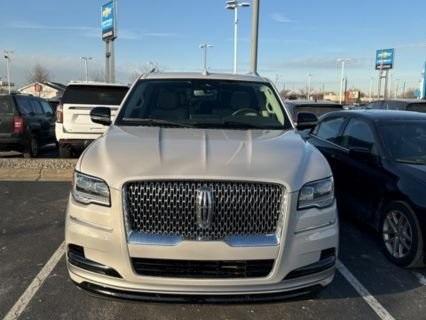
<point>363,154</point>
<point>101,115</point>
<point>306,120</point>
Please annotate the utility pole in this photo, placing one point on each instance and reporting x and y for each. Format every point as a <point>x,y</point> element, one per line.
<point>308,95</point>
<point>255,36</point>
<point>371,89</point>
<point>86,66</point>
<point>7,56</point>
<point>235,5</point>
<point>204,47</point>
<point>342,77</point>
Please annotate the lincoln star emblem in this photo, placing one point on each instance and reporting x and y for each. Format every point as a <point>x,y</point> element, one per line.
<point>204,207</point>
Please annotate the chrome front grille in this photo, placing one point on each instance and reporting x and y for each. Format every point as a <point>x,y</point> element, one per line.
<point>169,208</point>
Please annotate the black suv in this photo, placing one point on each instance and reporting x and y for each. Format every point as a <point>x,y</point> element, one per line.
<point>26,124</point>
<point>401,104</point>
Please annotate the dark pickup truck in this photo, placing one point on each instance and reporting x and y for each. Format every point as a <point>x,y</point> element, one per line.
<point>26,124</point>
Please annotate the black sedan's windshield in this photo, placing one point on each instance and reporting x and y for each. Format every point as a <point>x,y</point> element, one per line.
<point>204,104</point>
<point>406,141</point>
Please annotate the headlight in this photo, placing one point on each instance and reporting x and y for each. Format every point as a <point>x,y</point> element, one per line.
<point>317,194</point>
<point>87,189</point>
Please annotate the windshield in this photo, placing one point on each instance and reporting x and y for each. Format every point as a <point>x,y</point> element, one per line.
<point>419,107</point>
<point>204,104</point>
<point>97,95</point>
<point>406,141</point>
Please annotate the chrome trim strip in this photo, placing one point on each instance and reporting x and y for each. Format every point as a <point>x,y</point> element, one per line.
<point>316,227</point>
<point>266,240</point>
<point>153,239</point>
<point>139,238</point>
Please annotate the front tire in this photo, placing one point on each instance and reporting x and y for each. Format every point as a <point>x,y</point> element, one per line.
<point>401,236</point>
<point>64,151</point>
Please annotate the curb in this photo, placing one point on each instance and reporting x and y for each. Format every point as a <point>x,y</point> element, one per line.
<point>36,170</point>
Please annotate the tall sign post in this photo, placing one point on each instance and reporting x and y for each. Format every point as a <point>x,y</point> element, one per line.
<point>385,59</point>
<point>109,34</point>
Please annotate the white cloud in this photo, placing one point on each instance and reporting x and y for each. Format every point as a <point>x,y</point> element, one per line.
<point>279,17</point>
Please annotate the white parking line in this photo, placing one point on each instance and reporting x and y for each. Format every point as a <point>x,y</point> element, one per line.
<point>420,277</point>
<point>363,292</point>
<point>32,289</point>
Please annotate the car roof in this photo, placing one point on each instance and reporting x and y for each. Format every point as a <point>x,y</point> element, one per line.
<point>96,83</point>
<point>204,76</point>
<point>380,115</point>
<point>312,102</point>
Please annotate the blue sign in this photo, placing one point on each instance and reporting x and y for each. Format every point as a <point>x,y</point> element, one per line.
<point>385,59</point>
<point>108,21</point>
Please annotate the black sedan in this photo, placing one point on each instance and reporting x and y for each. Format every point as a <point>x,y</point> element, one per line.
<point>378,160</point>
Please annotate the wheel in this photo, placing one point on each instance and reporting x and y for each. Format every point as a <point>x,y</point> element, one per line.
<point>33,148</point>
<point>401,236</point>
<point>64,151</point>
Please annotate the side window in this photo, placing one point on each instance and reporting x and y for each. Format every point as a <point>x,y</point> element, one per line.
<point>46,107</point>
<point>24,105</point>
<point>329,129</point>
<point>36,106</point>
<point>358,134</point>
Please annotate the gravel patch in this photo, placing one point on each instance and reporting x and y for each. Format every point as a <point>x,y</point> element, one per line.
<point>37,163</point>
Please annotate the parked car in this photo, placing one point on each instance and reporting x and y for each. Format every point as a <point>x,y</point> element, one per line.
<point>26,124</point>
<point>219,194</point>
<point>74,130</point>
<point>318,108</point>
<point>378,160</point>
<point>400,104</point>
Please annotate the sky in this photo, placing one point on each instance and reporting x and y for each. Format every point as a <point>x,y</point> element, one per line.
<point>297,38</point>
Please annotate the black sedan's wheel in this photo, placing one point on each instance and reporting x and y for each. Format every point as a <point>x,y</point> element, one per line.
<point>401,235</point>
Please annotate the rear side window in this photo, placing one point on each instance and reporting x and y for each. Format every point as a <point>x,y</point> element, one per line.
<point>6,105</point>
<point>329,129</point>
<point>46,107</point>
<point>97,95</point>
<point>37,109</point>
<point>24,105</point>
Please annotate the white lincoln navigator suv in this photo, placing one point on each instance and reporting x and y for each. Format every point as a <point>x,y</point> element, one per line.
<point>201,186</point>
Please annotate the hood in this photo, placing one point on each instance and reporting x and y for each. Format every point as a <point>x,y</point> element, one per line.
<point>132,153</point>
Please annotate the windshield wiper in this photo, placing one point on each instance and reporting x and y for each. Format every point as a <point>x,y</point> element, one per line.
<point>155,122</point>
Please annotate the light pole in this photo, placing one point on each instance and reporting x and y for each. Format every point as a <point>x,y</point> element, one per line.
<point>371,89</point>
<point>255,36</point>
<point>86,66</point>
<point>7,55</point>
<point>342,77</point>
<point>204,47</point>
<point>235,5</point>
<point>308,95</point>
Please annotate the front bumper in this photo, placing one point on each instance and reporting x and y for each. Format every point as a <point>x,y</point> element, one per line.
<point>101,231</point>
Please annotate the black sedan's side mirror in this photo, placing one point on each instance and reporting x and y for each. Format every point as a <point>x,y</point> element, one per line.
<point>101,115</point>
<point>306,120</point>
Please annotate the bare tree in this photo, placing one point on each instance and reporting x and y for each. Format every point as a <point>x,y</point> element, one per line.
<point>39,74</point>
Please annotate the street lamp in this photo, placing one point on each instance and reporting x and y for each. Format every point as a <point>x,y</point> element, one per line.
<point>235,5</point>
<point>204,47</point>
<point>309,86</point>
<point>342,78</point>
<point>7,56</point>
<point>86,65</point>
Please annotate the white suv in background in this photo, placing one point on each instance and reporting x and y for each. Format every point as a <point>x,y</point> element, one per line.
<point>74,130</point>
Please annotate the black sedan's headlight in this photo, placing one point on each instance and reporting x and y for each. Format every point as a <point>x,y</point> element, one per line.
<point>317,194</point>
<point>87,189</point>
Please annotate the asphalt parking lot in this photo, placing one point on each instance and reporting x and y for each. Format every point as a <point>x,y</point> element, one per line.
<point>32,229</point>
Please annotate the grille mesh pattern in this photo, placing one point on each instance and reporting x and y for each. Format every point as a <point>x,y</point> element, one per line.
<point>169,208</point>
